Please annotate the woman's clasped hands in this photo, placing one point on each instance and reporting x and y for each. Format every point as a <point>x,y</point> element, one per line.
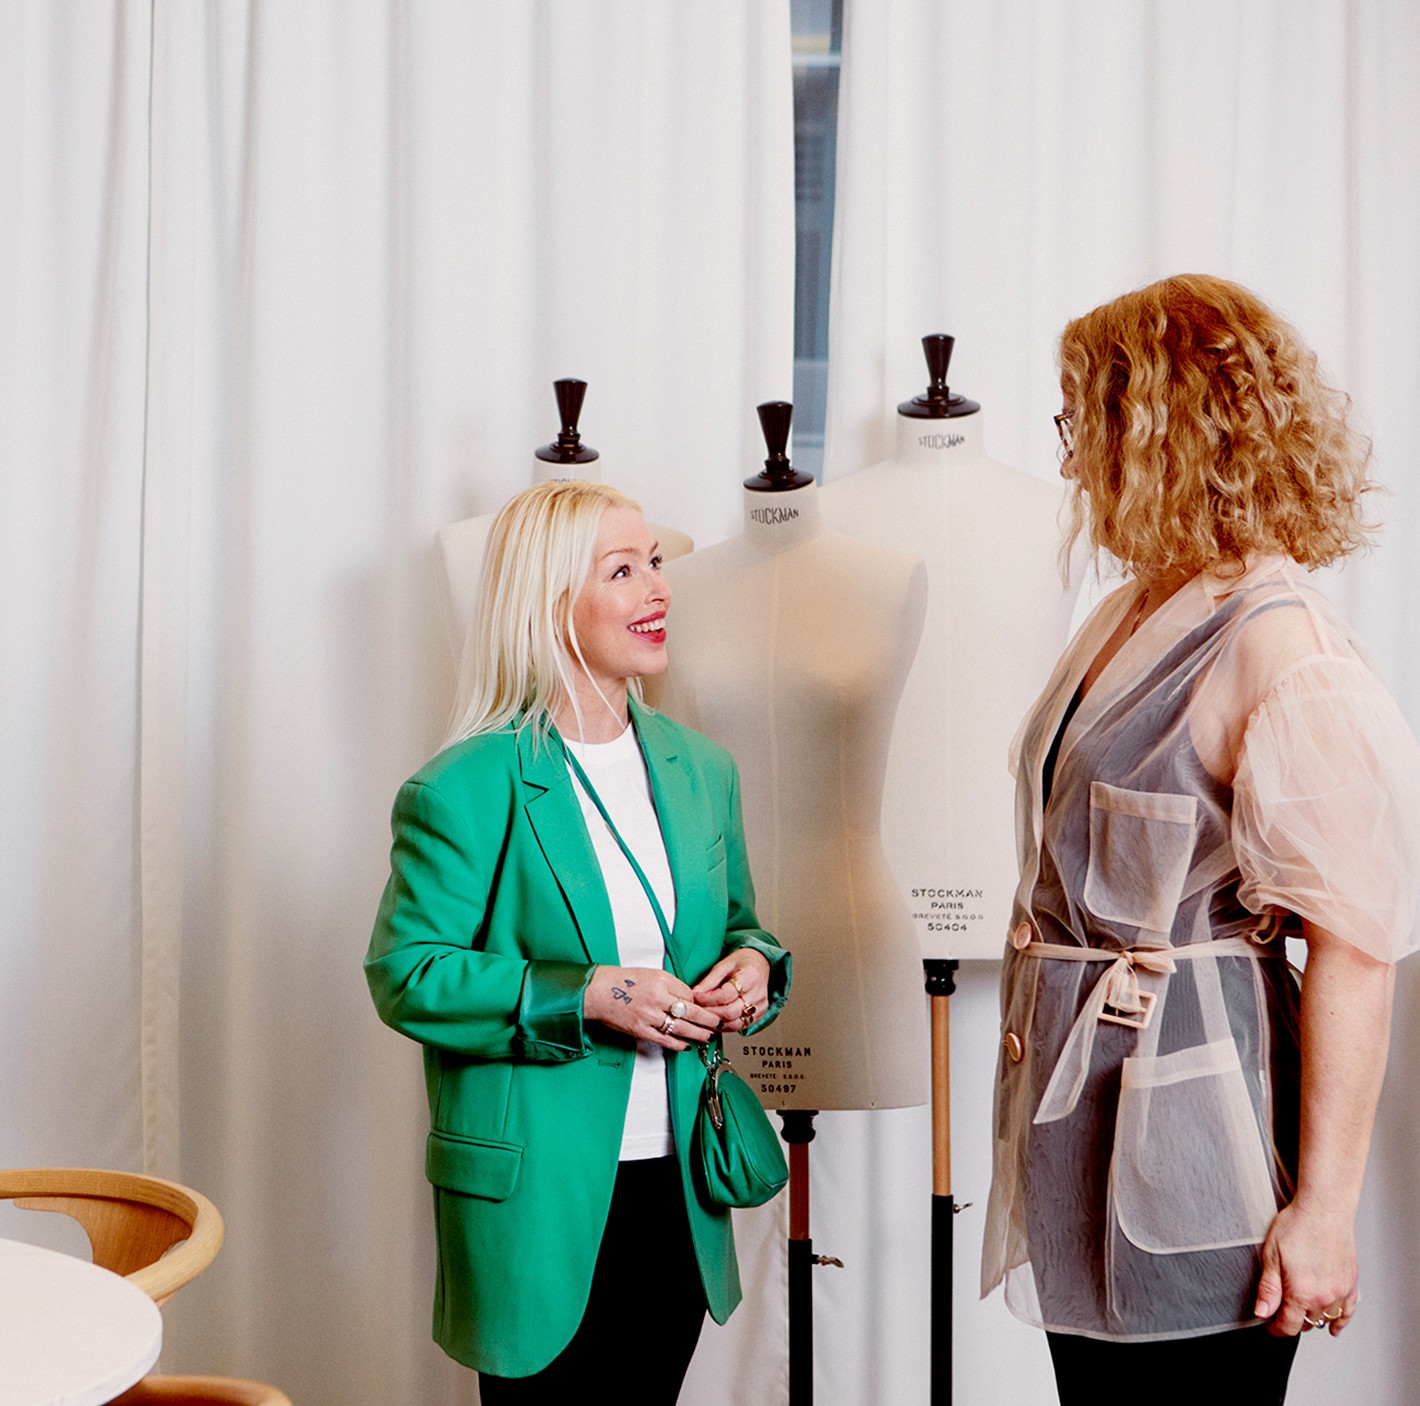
<point>736,989</point>
<point>650,1004</point>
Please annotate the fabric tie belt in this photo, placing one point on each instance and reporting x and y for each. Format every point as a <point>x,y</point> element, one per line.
<point>1117,997</point>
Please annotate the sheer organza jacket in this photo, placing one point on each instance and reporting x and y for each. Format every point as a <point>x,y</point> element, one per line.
<point>1236,768</point>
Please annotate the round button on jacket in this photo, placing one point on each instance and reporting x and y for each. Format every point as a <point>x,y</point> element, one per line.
<point>1013,1046</point>
<point>1022,935</point>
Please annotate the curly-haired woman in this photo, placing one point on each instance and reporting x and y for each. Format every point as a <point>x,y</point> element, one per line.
<point>1212,770</point>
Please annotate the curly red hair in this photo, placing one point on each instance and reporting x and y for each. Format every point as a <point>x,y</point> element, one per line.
<point>1202,431</point>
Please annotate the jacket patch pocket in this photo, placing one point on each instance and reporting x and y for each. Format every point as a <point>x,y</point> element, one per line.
<point>1190,1171</point>
<point>473,1166</point>
<point>1141,843</point>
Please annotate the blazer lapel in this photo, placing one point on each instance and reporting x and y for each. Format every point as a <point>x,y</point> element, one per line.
<point>678,805</point>
<point>556,818</point>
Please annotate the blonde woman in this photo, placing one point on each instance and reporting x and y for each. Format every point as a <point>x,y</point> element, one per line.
<point>1212,772</point>
<point>520,945</point>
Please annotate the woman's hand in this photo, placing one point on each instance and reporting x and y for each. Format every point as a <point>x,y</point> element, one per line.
<point>648,1004</point>
<point>1308,1271</point>
<point>736,988</point>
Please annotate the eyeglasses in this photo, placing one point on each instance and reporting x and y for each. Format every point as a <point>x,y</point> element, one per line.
<point>1062,427</point>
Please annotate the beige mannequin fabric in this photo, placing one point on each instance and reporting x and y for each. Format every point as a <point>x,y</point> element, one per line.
<point>997,619</point>
<point>789,646</point>
<point>461,546</point>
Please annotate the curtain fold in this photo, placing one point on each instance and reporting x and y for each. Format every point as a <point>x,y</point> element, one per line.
<point>73,236</point>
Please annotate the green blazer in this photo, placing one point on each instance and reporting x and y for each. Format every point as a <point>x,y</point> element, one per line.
<point>493,918</point>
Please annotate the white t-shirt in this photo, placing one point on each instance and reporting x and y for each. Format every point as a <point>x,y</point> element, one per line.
<point>618,772</point>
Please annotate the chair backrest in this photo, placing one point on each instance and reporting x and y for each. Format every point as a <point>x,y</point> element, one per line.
<point>132,1221</point>
<point>201,1391</point>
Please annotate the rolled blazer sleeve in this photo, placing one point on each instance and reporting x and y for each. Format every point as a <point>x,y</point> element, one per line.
<point>428,976</point>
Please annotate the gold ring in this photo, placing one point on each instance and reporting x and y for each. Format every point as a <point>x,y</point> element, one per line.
<point>1314,1322</point>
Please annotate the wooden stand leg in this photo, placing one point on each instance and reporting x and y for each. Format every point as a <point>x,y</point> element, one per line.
<point>941,982</point>
<point>799,1133</point>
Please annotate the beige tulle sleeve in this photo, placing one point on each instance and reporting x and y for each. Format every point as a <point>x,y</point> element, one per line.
<point>1326,807</point>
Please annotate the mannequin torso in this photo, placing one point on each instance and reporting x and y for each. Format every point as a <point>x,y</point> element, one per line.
<point>789,646</point>
<point>997,618</point>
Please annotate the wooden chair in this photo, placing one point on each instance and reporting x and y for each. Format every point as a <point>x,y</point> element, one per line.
<point>132,1223</point>
<point>201,1391</point>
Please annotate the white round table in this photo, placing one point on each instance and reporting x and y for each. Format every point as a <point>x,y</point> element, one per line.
<point>71,1334</point>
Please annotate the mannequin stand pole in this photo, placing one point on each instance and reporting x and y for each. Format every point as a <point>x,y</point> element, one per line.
<point>798,1132</point>
<point>941,982</point>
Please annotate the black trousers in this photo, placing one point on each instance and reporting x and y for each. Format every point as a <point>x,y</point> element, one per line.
<point>1242,1367</point>
<point>646,1309</point>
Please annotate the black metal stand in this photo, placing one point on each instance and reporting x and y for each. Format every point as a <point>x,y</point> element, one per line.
<point>799,1133</point>
<point>941,982</point>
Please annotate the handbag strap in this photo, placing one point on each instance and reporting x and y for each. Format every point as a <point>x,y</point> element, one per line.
<point>711,1057</point>
<point>640,873</point>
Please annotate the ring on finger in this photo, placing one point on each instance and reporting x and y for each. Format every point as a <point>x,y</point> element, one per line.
<point>668,1025</point>
<point>1315,1322</point>
<point>735,983</point>
<point>678,1010</point>
<point>1331,1315</point>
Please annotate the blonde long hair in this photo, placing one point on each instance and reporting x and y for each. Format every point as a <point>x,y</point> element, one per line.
<point>1203,430</point>
<point>522,645</point>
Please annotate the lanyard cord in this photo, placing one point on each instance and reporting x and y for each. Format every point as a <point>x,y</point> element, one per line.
<point>640,873</point>
<point>710,1056</point>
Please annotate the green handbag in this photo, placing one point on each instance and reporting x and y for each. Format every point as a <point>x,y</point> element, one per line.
<point>736,1147</point>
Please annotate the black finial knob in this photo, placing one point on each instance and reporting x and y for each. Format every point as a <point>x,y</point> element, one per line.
<point>568,448</point>
<point>938,347</point>
<point>937,402</point>
<point>775,417</point>
<point>779,474</point>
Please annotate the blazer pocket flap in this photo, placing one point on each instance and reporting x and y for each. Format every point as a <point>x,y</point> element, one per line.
<point>473,1166</point>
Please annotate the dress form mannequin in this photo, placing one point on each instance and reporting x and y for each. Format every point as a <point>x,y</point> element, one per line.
<point>789,646</point>
<point>997,618</point>
<point>461,544</point>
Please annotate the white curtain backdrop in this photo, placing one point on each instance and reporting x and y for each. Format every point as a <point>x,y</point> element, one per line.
<point>283,288</point>
<point>1002,167</point>
<point>73,231</point>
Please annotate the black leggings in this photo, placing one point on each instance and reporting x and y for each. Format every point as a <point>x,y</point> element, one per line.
<point>1242,1367</point>
<point>646,1309</point>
